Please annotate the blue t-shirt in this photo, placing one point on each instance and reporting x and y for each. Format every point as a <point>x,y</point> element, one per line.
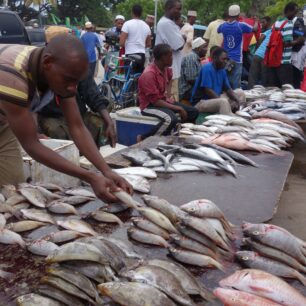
<point>263,46</point>
<point>212,78</point>
<point>91,41</point>
<point>233,39</point>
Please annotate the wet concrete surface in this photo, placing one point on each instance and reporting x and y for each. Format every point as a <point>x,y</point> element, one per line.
<point>291,212</point>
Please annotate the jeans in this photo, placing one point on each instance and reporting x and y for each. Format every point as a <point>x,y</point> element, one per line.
<point>234,75</point>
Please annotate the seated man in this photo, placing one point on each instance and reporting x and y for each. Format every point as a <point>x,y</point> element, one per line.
<point>207,94</point>
<point>52,122</point>
<point>190,67</point>
<point>154,92</point>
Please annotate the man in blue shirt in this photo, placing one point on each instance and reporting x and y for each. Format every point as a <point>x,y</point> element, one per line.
<point>91,42</point>
<point>258,71</point>
<point>233,31</point>
<point>207,94</point>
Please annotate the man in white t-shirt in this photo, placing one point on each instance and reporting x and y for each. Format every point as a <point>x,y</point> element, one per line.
<point>188,31</point>
<point>136,37</point>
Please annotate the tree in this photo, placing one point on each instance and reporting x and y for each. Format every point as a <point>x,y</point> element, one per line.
<point>277,7</point>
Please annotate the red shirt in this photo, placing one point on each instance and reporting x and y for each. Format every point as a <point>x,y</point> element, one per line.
<point>152,86</point>
<point>247,37</point>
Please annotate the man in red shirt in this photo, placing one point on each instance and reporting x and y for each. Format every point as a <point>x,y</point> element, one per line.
<point>154,94</point>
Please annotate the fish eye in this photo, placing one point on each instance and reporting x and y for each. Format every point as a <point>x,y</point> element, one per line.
<point>245,258</point>
<point>256,233</point>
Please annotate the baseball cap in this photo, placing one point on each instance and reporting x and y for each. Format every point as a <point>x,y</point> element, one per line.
<point>198,42</point>
<point>88,25</point>
<point>120,17</point>
<point>234,10</point>
<point>192,13</point>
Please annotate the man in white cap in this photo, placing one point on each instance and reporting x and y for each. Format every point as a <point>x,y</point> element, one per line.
<point>188,31</point>
<point>91,42</point>
<point>190,68</point>
<point>115,32</point>
<point>233,31</point>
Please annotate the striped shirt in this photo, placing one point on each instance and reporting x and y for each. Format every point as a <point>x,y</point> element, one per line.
<point>18,69</point>
<point>287,33</point>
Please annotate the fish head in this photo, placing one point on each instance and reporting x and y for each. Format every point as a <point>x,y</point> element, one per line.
<point>246,241</point>
<point>245,256</point>
<point>175,237</point>
<point>237,280</point>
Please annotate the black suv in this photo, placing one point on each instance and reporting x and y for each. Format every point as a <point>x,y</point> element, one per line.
<point>12,30</point>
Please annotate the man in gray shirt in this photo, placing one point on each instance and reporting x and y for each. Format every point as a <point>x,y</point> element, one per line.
<point>168,32</point>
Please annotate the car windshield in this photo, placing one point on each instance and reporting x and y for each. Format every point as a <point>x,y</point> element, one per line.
<point>9,26</point>
<point>36,36</point>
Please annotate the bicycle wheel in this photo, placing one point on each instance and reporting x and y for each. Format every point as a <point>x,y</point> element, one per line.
<point>129,95</point>
<point>105,90</point>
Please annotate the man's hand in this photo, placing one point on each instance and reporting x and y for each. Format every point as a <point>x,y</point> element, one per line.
<point>119,181</point>
<point>235,106</point>
<point>183,114</point>
<point>103,188</point>
<point>110,134</point>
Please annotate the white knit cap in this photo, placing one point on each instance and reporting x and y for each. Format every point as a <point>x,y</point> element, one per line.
<point>234,10</point>
<point>198,42</point>
<point>120,17</point>
<point>192,14</point>
<point>88,25</point>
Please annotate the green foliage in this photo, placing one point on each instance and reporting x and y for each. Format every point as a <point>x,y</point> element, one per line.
<point>277,7</point>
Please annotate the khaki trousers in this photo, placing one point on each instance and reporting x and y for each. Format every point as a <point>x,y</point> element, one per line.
<point>175,89</point>
<point>220,105</point>
<point>11,163</point>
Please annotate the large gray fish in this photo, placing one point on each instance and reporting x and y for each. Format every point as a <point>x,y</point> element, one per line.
<point>75,278</point>
<point>136,294</point>
<point>158,218</point>
<point>136,156</point>
<point>142,171</point>
<point>9,237</point>
<point>274,254</point>
<point>151,227</point>
<point>62,208</point>
<point>190,284</point>
<point>127,199</point>
<point>146,237</point>
<point>77,251</point>
<point>78,226</point>
<point>23,226</point>
<point>37,215</point>
<point>162,280</point>
<point>33,299</point>
<point>42,247</point>
<point>139,183</point>
<point>59,295</point>
<point>157,154</point>
<point>195,259</point>
<point>63,236</point>
<point>66,287</point>
<point>172,212</point>
<point>34,196</point>
<point>46,193</point>
<point>255,261</point>
<point>103,216</point>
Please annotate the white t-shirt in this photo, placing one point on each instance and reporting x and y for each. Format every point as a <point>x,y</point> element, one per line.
<point>137,31</point>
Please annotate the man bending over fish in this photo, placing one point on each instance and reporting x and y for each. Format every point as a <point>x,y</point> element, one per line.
<point>154,95</point>
<point>212,92</point>
<point>29,78</point>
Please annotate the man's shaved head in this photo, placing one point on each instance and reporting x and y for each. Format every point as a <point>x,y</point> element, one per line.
<point>64,63</point>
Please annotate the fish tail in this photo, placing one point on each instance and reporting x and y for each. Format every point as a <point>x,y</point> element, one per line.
<point>217,265</point>
<point>301,278</point>
<point>227,226</point>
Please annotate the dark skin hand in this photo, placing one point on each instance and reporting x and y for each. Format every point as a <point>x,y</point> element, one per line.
<point>234,100</point>
<point>109,131</point>
<point>180,110</point>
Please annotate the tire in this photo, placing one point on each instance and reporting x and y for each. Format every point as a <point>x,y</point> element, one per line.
<point>105,90</point>
<point>129,97</point>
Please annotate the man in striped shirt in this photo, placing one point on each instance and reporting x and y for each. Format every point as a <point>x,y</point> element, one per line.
<point>283,74</point>
<point>28,78</point>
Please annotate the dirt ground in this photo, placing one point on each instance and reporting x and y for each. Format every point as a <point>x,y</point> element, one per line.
<point>291,213</point>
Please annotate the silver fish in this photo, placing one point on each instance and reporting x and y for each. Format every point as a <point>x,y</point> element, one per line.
<point>37,215</point>
<point>127,199</point>
<point>103,216</point>
<point>151,227</point>
<point>50,186</point>
<point>23,226</point>
<point>34,299</point>
<point>9,237</point>
<point>2,198</point>
<point>34,196</point>
<point>80,192</point>
<point>15,199</point>
<point>115,208</point>
<point>73,200</point>
<point>62,208</point>
<point>2,221</point>
<point>47,194</point>
<point>139,183</point>
<point>136,156</point>
<point>136,294</point>
<point>142,171</point>
<point>42,247</point>
<point>146,237</point>
<point>78,226</point>
<point>63,236</point>
<point>195,259</point>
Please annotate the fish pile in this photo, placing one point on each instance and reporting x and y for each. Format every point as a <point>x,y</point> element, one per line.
<point>187,157</point>
<point>197,233</point>
<point>48,205</point>
<point>257,288</point>
<point>289,102</point>
<point>232,132</point>
<point>275,250</point>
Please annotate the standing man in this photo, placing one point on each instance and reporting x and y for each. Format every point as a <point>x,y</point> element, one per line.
<point>112,36</point>
<point>150,22</point>
<point>28,77</point>
<point>233,31</point>
<point>188,31</point>
<point>212,37</point>
<point>154,99</point>
<point>168,32</point>
<point>91,42</point>
<point>212,92</point>
<point>283,74</point>
<point>258,70</point>
<point>191,66</point>
<point>136,37</point>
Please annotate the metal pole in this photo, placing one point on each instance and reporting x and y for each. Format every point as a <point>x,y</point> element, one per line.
<point>155,16</point>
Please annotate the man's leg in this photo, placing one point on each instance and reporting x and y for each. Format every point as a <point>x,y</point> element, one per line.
<point>175,89</point>
<point>191,111</point>
<point>297,77</point>
<point>285,74</point>
<point>264,74</point>
<point>219,105</point>
<point>168,120</point>
<point>54,127</point>
<point>91,69</point>
<point>236,79</point>
<point>94,124</point>
<point>11,163</point>
<point>255,72</point>
<point>272,79</point>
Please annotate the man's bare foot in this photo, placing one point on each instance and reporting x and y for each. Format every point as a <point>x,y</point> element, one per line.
<point>138,139</point>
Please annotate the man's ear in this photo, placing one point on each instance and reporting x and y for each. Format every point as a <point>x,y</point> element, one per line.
<point>47,61</point>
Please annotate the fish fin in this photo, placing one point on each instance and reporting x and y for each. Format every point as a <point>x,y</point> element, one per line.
<point>260,289</point>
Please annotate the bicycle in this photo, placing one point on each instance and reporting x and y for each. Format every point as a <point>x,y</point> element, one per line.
<point>120,83</point>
